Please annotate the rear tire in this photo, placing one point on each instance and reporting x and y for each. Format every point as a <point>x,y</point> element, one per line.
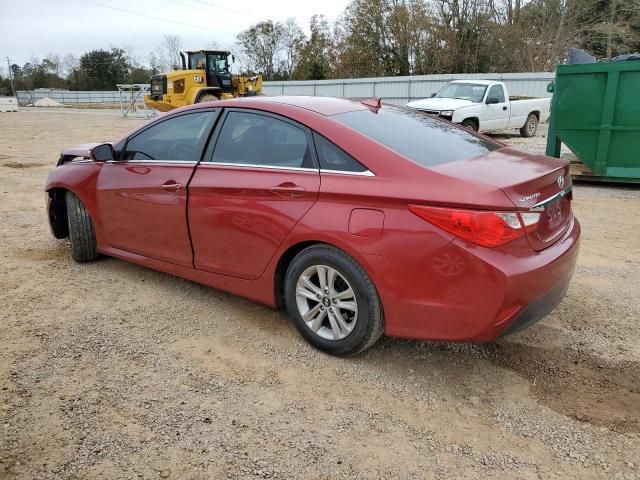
<point>350,333</point>
<point>81,232</point>
<point>207,98</point>
<point>530,126</point>
<point>470,123</point>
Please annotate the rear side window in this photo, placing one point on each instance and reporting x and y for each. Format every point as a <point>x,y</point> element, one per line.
<point>416,135</point>
<point>260,140</point>
<point>334,158</point>
<point>176,139</point>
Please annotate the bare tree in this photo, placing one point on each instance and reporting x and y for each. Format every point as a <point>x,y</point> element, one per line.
<point>170,50</point>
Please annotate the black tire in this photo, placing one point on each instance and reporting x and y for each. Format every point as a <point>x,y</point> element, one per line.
<point>81,232</point>
<point>530,126</point>
<point>369,326</point>
<point>470,123</point>
<point>207,97</point>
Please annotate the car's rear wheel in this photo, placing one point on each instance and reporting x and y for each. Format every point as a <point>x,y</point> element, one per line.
<point>81,232</point>
<point>332,301</point>
<point>530,127</point>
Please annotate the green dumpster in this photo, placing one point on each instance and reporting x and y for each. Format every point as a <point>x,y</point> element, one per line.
<point>595,112</point>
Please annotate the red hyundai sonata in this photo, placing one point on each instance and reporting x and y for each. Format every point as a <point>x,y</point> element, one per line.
<point>360,219</point>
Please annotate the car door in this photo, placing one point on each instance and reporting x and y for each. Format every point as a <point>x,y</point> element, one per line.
<point>251,188</point>
<point>142,198</point>
<point>496,114</point>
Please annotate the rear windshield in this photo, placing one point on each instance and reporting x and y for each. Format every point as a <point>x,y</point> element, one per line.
<point>416,135</point>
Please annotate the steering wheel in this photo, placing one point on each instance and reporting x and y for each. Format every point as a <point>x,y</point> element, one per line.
<point>182,151</point>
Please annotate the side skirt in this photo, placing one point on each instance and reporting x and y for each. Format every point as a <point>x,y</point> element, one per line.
<point>258,290</point>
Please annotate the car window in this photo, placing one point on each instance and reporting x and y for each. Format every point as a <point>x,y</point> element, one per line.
<point>332,157</point>
<point>498,92</point>
<point>254,139</point>
<point>176,139</point>
<point>418,136</point>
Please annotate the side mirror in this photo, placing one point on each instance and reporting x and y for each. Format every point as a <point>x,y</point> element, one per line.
<point>432,95</point>
<point>550,87</point>
<point>233,59</point>
<point>102,153</point>
<point>491,100</point>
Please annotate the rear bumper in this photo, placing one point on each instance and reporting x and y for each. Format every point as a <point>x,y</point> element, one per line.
<point>537,310</point>
<point>468,293</point>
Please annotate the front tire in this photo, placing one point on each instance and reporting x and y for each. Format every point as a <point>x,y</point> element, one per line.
<point>332,301</point>
<point>530,126</point>
<point>207,98</point>
<point>81,232</point>
<point>470,124</point>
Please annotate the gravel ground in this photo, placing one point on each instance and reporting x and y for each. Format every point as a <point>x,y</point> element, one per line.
<point>110,370</point>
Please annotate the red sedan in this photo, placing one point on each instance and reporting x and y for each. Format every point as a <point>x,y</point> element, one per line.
<point>360,219</point>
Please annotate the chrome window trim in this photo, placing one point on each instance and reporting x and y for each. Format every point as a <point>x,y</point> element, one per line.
<point>252,165</point>
<point>539,207</point>
<point>173,162</point>
<point>366,173</point>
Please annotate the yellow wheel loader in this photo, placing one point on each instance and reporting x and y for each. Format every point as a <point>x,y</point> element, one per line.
<point>204,76</point>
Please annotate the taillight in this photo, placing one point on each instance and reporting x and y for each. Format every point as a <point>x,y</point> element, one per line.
<point>485,228</point>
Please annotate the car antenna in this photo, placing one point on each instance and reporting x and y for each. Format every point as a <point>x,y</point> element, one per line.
<point>375,102</point>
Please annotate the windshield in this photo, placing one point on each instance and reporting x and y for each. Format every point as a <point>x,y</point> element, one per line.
<point>420,137</point>
<point>473,92</point>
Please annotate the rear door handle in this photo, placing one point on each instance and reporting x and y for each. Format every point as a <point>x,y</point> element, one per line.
<point>288,190</point>
<point>504,108</point>
<point>171,186</point>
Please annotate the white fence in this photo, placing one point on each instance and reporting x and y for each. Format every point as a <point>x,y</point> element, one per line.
<point>404,89</point>
<point>390,89</point>
<point>26,97</point>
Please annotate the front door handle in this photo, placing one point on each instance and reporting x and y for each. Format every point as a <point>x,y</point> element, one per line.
<point>288,190</point>
<point>504,108</point>
<point>171,186</point>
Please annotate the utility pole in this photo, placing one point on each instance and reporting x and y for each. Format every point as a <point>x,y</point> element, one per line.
<point>13,90</point>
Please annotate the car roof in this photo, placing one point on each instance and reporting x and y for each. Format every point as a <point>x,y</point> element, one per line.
<point>471,80</point>
<point>321,105</point>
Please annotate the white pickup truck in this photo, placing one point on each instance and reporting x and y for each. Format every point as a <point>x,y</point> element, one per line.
<point>485,106</point>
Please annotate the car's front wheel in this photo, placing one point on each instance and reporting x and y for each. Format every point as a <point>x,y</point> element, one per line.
<point>332,301</point>
<point>81,232</point>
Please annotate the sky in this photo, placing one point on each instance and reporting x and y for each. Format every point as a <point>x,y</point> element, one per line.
<point>38,27</point>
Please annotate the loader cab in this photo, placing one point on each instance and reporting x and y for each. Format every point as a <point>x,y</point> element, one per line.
<point>216,65</point>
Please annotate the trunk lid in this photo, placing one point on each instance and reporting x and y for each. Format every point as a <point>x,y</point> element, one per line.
<point>532,182</point>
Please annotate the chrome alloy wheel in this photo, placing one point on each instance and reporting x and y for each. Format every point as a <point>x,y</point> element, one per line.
<point>326,302</point>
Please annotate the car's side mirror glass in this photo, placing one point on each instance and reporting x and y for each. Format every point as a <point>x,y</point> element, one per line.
<point>433,95</point>
<point>103,153</point>
<point>491,100</point>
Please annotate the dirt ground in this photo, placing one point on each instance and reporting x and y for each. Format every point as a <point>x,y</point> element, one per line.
<point>110,370</point>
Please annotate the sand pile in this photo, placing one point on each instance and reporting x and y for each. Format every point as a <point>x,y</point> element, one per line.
<point>47,102</point>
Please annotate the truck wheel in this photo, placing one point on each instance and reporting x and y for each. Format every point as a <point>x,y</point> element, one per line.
<point>332,301</point>
<point>207,98</point>
<point>530,127</point>
<point>81,232</point>
<point>470,124</point>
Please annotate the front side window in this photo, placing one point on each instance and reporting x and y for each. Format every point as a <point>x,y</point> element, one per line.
<point>419,137</point>
<point>176,139</point>
<point>197,61</point>
<point>496,92</point>
<point>464,91</point>
<point>218,64</point>
<point>254,139</point>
